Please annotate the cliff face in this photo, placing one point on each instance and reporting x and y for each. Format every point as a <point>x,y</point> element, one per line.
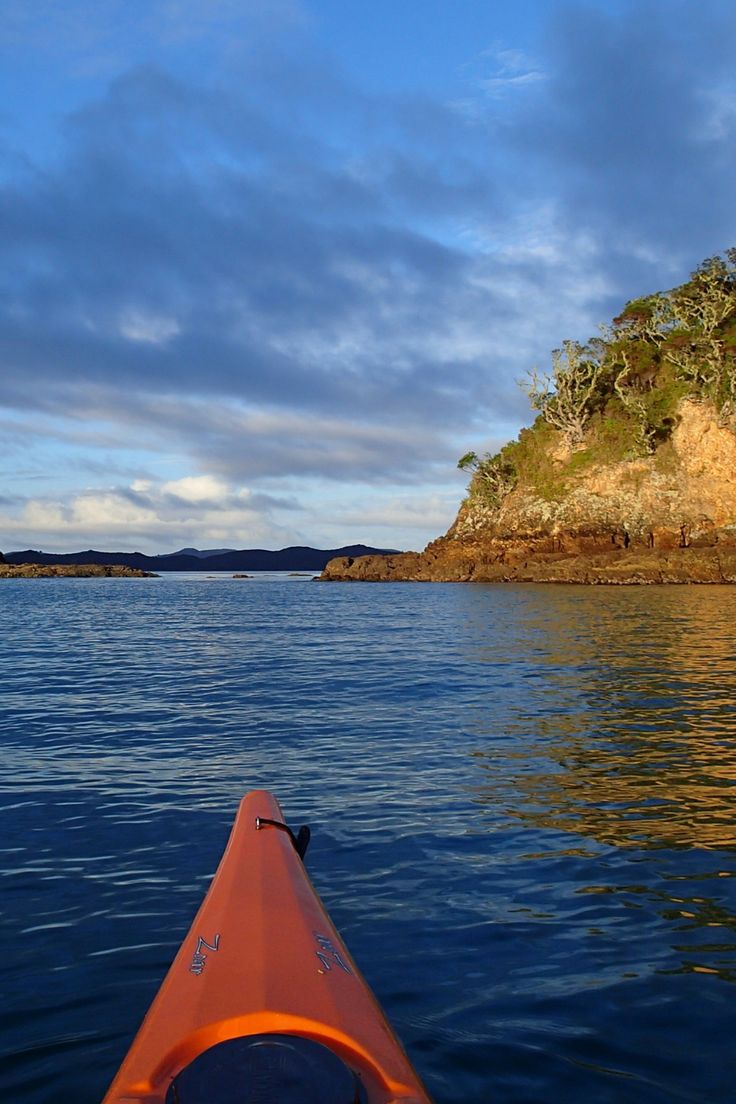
<point>666,517</point>
<point>683,495</point>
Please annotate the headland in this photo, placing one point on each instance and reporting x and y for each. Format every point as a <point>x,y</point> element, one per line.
<point>628,473</point>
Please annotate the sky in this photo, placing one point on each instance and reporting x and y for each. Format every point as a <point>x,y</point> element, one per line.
<point>269,267</point>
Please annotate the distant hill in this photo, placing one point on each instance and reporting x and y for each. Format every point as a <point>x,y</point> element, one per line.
<point>200,553</point>
<point>191,559</point>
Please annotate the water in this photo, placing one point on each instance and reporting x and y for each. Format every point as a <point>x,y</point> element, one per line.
<point>522,801</point>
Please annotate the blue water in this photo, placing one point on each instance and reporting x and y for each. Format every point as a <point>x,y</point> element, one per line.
<point>522,801</point>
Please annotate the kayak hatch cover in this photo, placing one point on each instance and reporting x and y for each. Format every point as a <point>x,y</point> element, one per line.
<point>263,1003</point>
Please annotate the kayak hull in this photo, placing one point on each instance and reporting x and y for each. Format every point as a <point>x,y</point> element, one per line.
<point>262,958</point>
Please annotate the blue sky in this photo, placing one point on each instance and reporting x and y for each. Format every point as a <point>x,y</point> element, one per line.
<point>270,267</point>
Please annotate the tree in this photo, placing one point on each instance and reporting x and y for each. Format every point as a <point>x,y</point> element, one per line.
<point>494,475</point>
<point>697,343</point>
<point>568,395</point>
<point>626,384</point>
<point>649,318</point>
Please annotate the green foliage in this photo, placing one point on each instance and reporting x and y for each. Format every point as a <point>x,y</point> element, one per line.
<point>661,403</point>
<point>616,397</point>
<point>729,337</point>
<point>468,462</point>
<point>493,477</point>
<point>617,435</point>
<point>530,454</point>
<point>647,318</point>
<point>700,345</point>
<point>682,342</point>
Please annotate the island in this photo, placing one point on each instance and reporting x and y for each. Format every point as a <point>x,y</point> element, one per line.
<point>77,571</point>
<point>628,473</point>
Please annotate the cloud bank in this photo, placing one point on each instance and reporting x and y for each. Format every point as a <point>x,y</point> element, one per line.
<point>264,275</point>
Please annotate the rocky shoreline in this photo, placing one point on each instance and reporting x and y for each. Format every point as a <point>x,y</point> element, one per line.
<point>666,518</point>
<point>76,571</point>
<point>618,567</point>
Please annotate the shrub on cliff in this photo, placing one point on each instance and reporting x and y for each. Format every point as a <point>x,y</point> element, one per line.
<point>493,476</point>
<point>625,385</point>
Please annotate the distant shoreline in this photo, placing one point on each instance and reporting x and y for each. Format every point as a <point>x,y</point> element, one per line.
<point>294,558</point>
<point>76,571</point>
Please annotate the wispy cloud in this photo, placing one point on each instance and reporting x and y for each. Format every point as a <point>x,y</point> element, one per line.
<point>509,71</point>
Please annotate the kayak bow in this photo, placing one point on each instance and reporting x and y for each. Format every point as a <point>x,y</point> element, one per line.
<point>263,1003</point>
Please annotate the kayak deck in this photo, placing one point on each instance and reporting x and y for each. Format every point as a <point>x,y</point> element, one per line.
<point>263,989</point>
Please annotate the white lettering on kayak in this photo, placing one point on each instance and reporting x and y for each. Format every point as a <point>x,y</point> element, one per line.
<point>199,957</point>
<point>328,953</point>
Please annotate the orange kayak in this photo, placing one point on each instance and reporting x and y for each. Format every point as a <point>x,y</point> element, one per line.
<point>263,1003</point>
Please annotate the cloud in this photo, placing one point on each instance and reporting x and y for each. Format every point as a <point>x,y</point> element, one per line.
<point>512,70</point>
<point>205,275</point>
<point>149,516</point>
<point>257,271</point>
<point>152,329</point>
<point>634,128</point>
<point>196,489</point>
<point>183,253</point>
<point>401,512</point>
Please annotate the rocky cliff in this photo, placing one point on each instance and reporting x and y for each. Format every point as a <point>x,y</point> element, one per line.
<point>628,474</point>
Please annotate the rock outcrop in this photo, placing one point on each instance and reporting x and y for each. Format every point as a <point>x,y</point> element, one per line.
<point>78,571</point>
<point>473,565</point>
<point>665,518</point>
